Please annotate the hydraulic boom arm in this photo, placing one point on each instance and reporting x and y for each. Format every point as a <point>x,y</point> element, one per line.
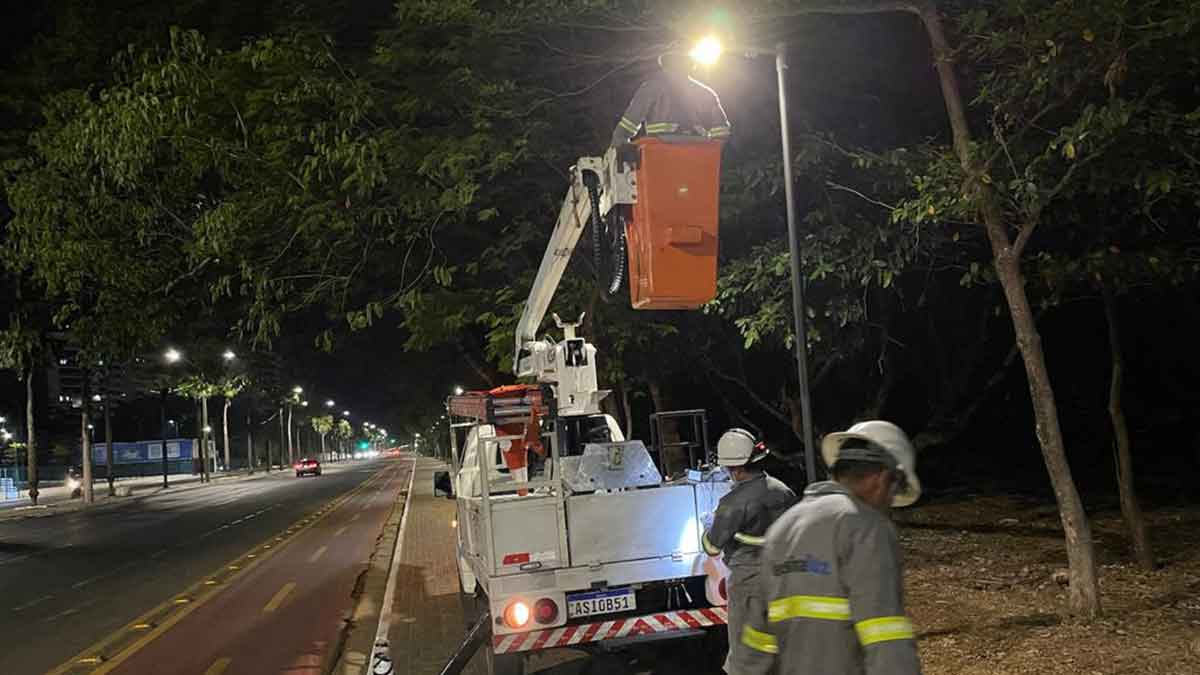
<point>614,187</point>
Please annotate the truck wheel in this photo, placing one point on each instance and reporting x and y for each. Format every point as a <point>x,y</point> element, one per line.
<point>504,664</point>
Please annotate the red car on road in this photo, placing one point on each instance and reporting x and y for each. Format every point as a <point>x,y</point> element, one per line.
<point>306,465</point>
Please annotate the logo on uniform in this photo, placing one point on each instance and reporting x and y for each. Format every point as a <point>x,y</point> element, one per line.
<point>805,564</point>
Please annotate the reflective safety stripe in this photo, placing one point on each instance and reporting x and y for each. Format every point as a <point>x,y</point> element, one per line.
<point>661,127</point>
<point>883,629</point>
<point>708,545</point>
<point>809,607</point>
<point>628,125</point>
<point>749,539</point>
<point>759,641</point>
<point>718,131</point>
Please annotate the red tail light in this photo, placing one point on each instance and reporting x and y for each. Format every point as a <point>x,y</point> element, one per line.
<point>545,611</point>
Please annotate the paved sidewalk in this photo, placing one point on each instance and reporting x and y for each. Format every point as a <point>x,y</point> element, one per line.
<point>428,624</point>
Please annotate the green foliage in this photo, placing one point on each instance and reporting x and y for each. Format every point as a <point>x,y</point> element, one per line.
<point>323,424</point>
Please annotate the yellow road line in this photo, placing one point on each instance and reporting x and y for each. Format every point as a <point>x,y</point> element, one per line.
<point>317,556</point>
<point>218,666</point>
<point>91,655</point>
<point>280,595</point>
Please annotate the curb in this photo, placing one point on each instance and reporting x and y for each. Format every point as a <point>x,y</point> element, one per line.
<point>356,645</point>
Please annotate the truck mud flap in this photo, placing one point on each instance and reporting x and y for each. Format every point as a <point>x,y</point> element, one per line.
<point>661,625</point>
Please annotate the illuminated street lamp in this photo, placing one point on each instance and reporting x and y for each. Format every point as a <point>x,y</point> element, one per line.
<point>297,389</point>
<point>458,391</point>
<point>228,355</point>
<point>329,403</point>
<point>345,413</point>
<point>707,51</point>
<point>172,355</point>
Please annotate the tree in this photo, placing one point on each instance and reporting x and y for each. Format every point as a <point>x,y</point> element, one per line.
<point>322,425</point>
<point>22,350</point>
<point>229,387</point>
<point>200,388</point>
<point>344,432</point>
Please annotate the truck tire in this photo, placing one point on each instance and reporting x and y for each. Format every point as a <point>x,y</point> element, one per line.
<point>503,664</point>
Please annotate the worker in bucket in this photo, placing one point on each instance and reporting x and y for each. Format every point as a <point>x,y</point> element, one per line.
<point>672,104</point>
<point>831,569</point>
<point>737,528</point>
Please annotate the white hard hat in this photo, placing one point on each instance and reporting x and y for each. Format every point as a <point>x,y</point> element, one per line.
<point>890,438</point>
<point>738,447</point>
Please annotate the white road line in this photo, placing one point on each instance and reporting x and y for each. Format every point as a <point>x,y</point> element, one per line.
<point>31,603</point>
<point>317,556</point>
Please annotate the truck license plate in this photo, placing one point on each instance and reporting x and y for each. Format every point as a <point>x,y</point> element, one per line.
<point>600,602</point>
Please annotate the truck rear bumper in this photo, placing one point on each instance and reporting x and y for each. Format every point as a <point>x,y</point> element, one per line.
<point>658,625</point>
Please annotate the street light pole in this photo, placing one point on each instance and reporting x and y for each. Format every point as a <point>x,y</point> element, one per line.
<point>798,309</point>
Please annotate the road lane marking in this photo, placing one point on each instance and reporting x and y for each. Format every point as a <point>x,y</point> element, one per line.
<point>65,613</point>
<point>317,556</point>
<point>218,666</point>
<point>31,603</point>
<point>340,530</point>
<point>280,595</point>
<point>355,516</point>
<point>112,651</point>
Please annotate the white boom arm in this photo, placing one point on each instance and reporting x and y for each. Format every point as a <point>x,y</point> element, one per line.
<point>573,217</point>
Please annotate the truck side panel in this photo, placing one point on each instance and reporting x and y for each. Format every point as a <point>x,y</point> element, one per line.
<point>633,525</point>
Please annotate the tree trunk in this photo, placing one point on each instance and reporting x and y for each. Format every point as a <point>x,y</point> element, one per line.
<point>86,440</point>
<point>1084,584</point>
<point>283,436</point>
<point>31,461</point>
<point>291,452</point>
<point>204,435</point>
<point>1131,510</point>
<point>250,439</point>
<point>225,425</point>
<point>108,445</point>
<point>323,458</point>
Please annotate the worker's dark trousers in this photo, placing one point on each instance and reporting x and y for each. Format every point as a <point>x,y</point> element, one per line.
<point>745,599</point>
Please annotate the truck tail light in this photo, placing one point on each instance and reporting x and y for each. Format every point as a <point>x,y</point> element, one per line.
<point>545,611</point>
<point>516,615</point>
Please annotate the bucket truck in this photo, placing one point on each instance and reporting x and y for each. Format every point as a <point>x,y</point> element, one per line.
<point>568,534</point>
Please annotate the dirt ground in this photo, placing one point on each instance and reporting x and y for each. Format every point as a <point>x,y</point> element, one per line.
<point>984,600</point>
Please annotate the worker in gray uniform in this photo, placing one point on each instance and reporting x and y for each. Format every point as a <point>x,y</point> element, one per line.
<point>738,525</point>
<point>831,571</point>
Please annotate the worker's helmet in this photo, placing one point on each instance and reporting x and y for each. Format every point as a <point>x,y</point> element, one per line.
<point>880,436</point>
<point>738,447</point>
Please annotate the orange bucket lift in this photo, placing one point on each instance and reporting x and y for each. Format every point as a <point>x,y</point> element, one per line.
<point>672,235</point>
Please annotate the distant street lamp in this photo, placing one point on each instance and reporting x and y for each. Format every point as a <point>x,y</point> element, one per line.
<point>229,355</point>
<point>171,356</point>
<point>297,389</point>
<point>345,413</point>
<point>458,391</point>
<point>304,403</point>
<point>329,403</point>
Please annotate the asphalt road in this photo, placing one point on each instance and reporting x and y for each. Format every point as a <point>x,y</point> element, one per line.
<point>244,576</point>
